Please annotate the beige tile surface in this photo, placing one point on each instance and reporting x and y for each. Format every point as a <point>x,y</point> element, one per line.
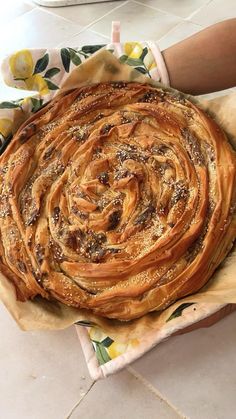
<point>181,8</point>
<point>215,11</point>
<point>43,374</point>
<point>122,397</point>
<point>11,9</point>
<point>178,33</point>
<point>36,29</point>
<point>196,371</point>
<point>137,22</point>
<point>86,37</point>
<point>84,14</point>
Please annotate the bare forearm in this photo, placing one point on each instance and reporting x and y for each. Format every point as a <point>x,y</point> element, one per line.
<point>205,62</point>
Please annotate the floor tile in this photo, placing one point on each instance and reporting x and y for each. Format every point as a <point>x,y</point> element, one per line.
<point>10,9</point>
<point>181,8</point>
<point>180,32</point>
<point>121,397</point>
<point>216,11</point>
<point>196,371</point>
<point>85,14</point>
<point>86,37</point>
<point>45,29</point>
<point>43,374</point>
<point>138,22</point>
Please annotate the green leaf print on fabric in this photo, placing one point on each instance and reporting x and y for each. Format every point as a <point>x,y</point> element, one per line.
<point>65,57</point>
<point>51,85</point>
<point>51,72</point>
<point>10,105</point>
<point>75,58</point>
<point>101,353</point>
<point>107,342</point>
<point>36,104</point>
<point>144,53</point>
<point>141,70</point>
<point>41,64</point>
<point>90,49</point>
<point>179,310</point>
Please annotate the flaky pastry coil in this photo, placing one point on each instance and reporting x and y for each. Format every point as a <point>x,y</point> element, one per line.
<point>118,198</point>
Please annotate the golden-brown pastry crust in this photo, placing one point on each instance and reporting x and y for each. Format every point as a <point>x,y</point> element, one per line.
<point>118,198</point>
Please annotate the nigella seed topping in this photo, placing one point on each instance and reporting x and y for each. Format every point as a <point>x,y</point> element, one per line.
<point>75,239</point>
<point>180,192</point>
<point>106,129</point>
<point>57,252</point>
<point>114,220</point>
<point>121,174</point>
<point>98,117</point>
<point>27,132</point>
<point>56,215</point>
<point>145,215</point>
<point>149,97</point>
<point>83,215</point>
<point>47,155</point>
<point>22,266</point>
<point>119,84</point>
<point>113,250</point>
<point>39,253</point>
<point>33,217</point>
<point>159,149</point>
<point>194,147</point>
<point>103,178</point>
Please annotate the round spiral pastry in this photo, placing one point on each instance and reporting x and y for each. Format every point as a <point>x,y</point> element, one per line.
<point>118,198</point>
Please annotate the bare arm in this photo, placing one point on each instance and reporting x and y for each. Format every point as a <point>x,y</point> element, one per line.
<point>205,62</point>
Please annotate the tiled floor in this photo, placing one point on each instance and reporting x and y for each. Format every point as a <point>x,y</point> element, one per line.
<point>44,375</point>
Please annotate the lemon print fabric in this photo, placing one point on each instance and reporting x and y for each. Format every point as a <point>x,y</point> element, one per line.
<point>139,56</point>
<point>35,75</point>
<point>106,348</point>
<point>21,64</point>
<point>117,348</point>
<point>133,49</point>
<point>37,83</point>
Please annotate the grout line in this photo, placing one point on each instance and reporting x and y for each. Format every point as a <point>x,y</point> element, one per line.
<point>100,34</point>
<point>90,24</point>
<point>171,30</point>
<point>49,12</point>
<point>157,9</point>
<point>106,14</point>
<point>123,3</point>
<point>178,24</point>
<point>154,390</point>
<point>198,10</point>
<point>80,400</point>
<point>106,38</point>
